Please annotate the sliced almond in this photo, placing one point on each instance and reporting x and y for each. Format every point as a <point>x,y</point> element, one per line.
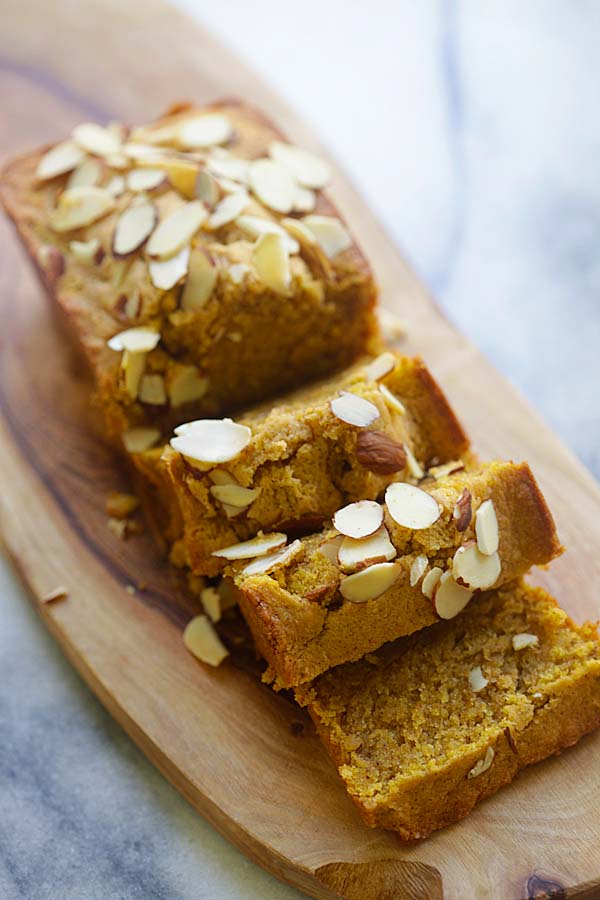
<point>305,200</point>
<point>255,226</point>
<point>414,467</point>
<point>134,227</point>
<point>360,519</point>
<point>449,468</point>
<point>272,264</point>
<point>330,548</point>
<point>231,168</point>
<point>116,186</point>
<point>133,366</point>
<point>272,561</point>
<point>176,230</point>
<point>204,131</point>
<point>152,390</point>
<point>136,340</point>
<point>430,582</point>
<point>463,510</point>
<point>381,366</point>
<point>166,273</point>
<point>258,546</point>
<point>379,453</point>
<point>524,640</point>
<point>206,188</point>
<point>201,280</point>
<point>211,440</point>
<point>137,440</point>
<point>237,272</point>
<point>300,232</point>
<point>418,568</point>
<point>59,160</point>
<point>330,234</point>
<point>474,569</point>
<point>411,507</point>
<point>203,642</point>
<point>79,207</point>
<point>234,494</point>
<point>145,179</point>
<point>477,681</point>
<point>182,175</point>
<point>96,139</point>
<point>370,583</point>
<point>211,602</point>
<point>486,528</point>
<point>187,385</point>
<point>354,410</point>
<point>222,476</point>
<point>273,184</point>
<point>84,252</point>
<point>482,765</point>
<point>307,168</point>
<point>449,597</point>
<point>357,554</point>
<point>87,173</point>
<point>392,401</point>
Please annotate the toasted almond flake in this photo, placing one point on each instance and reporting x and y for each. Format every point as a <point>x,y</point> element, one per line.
<point>229,167</point>
<point>139,151</point>
<point>272,264</point>
<point>307,168</point>
<point>201,280</point>
<point>255,226</point>
<point>59,160</point>
<point>486,528</point>
<point>354,410</point>
<point>204,131</point>
<point>331,235</point>
<point>96,139</point>
<point>87,173</point>
<point>234,494</point>
<point>300,232</point>
<point>449,468</point>
<point>482,765</point>
<point>166,273</point>
<point>134,227</point>
<point>430,582</point>
<point>367,551</point>
<point>392,401</point>
<point>477,681</point>
<point>206,188</point>
<point>84,251</point>
<point>181,173</point>
<point>211,602</point>
<point>145,179</point>
<point>203,642</point>
<point>360,519</point>
<point>211,440</point>
<point>411,506</point>
<point>381,366</point>
<point>117,161</point>
<point>414,467</point>
<point>152,390</point>
<point>271,561</point>
<point>524,640</point>
<point>116,186</point>
<point>237,273</point>
<point>258,546</point>
<point>187,385</point>
<point>418,568</point>
<point>176,229</point>
<point>136,340</point>
<point>228,210</point>
<point>369,583</point>
<point>137,440</point>
<point>330,548</point>
<point>449,597</point>
<point>222,476</point>
<point>305,200</point>
<point>474,569</point>
<point>79,207</point>
<point>59,593</point>
<point>273,184</point>
<point>133,366</point>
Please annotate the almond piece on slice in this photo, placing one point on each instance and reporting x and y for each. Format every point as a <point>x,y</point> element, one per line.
<point>152,390</point>
<point>257,546</point>
<point>228,167</point>
<point>176,230</point>
<point>206,188</point>
<point>360,519</point>
<point>392,401</point>
<point>449,468</point>
<point>272,560</point>
<point>414,467</point>
<point>300,232</point>
<point>474,569</point>
<point>87,173</point>
<point>430,582</point>
<point>84,251</point>
<point>308,169</point>
<point>204,131</point>
<point>523,640</point>
<point>211,602</point>
<point>411,506</point>
<point>96,139</point>
<point>234,494</point>
<point>134,227</point>
<point>482,765</point>
<point>305,200</point>
<point>462,512</point>
<point>330,234</point>
<point>228,210</point>
<point>135,340</point>
<point>59,160</point>
<point>369,583</point>
<point>449,597</point>
<point>203,642</point>
<point>187,385</point>
<point>272,263</point>
<point>166,273</point>
<point>255,226</point>
<point>133,366</point>
<point>116,186</point>
<point>330,548</point>
<point>418,568</point>
<point>201,280</point>
<point>79,207</point>
<point>137,440</point>
<point>354,410</point>
<point>139,180</point>
<point>357,554</point>
<point>379,453</point>
<point>486,528</point>
<point>211,440</point>
<point>381,366</point>
<point>477,681</point>
<point>273,184</point>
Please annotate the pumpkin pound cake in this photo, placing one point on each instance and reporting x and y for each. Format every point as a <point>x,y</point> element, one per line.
<point>198,261</point>
<point>384,570</point>
<point>428,726</point>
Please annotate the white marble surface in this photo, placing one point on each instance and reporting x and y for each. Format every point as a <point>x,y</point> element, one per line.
<point>471,128</point>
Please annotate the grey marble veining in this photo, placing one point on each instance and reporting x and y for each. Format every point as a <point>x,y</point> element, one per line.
<point>472,130</point>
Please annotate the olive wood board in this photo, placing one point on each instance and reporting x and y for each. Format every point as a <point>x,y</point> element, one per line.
<point>246,758</point>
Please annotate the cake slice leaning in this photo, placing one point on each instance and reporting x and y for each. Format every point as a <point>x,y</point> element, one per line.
<point>428,726</point>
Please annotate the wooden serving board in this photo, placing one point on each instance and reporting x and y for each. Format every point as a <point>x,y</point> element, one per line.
<point>244,757</point>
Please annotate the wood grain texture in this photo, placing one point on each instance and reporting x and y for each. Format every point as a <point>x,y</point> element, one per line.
<point>232,747</point>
